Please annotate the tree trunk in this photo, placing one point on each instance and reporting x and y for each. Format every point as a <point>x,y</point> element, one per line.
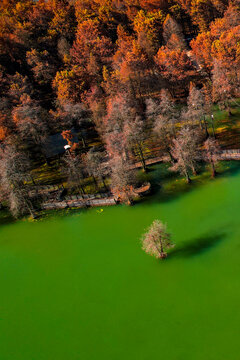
<point>142,157</point>
<point>228,108</point>
<point>32,179</point>
<point>104,184</point>
<point>213,169</point>
<point>163,255</point>
<point>171,157</point>
<point>30,210</point>
<point>187,177</point>
<point>82,189</point>
<point>174,129</point>
<point>205,126</point>
<point>95,182</point>
<point>83,142</point>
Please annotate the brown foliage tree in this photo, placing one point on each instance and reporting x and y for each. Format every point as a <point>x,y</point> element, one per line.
<point>212,152</point>
<point>123,180</point>
<point>185,151</point>
<point>156,241</point>
<point>15,173</point>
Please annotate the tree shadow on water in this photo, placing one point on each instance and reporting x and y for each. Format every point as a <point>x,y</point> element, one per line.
<point>198,245</point>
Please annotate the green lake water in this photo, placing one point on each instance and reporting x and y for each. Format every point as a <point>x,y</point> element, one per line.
<point>80,287</point>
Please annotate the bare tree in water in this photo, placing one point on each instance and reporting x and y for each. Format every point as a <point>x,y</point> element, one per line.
<point>156,241</point>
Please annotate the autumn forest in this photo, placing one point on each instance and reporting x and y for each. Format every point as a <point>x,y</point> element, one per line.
<point>122,84</point>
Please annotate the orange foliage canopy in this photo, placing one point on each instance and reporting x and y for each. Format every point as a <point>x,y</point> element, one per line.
<point>153,4</point>
<point>175,65</point>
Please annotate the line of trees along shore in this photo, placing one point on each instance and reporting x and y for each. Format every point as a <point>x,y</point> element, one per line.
<point>129,76</point>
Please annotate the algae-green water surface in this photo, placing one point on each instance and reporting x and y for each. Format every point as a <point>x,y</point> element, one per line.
<point>80,287</point>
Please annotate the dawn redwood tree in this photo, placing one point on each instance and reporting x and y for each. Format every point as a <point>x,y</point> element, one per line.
<point>163,133</point>
<point>64,49</point>
<point>124,44</point>
<point>31,123</point>
<point>42,66</point>
<point>96,165</point>
<point>152,109</point>
<point>73,114</point>
<point>208,104</point>
<point>90,51</point>
<point>107,11</point>
<point>201,48</point>
<point>226,49</point>
<point>95,99</point>
<point>165,117</point>
<point>69,85</point>
<point>132,61</point>
<point>226,85</point>
<point>168,110</point>
<point>185,150</point>
<point>14,31</point>
<point>63,21</point>
<point>73,167</point>
<point>222,87</point>
<point>219,42</point>
<point>4,133</point>
<point>116,144</point>
<point>151,5</point>
<point>130,69</point>
<point>112,128</point>
<point>220,5</point>
<point>19,88</point>
<point>156,241</point>
<point>123,180</point>
<point>119,109</point>
<point>202,13</point>
<point>136,134</point>
<point>6,124</point>
<point>148,28</point>
<point>195,108</point>
<point>212,152</point>
<point>173,35</point>
<point>14,178</point>
<point>175,66</point>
